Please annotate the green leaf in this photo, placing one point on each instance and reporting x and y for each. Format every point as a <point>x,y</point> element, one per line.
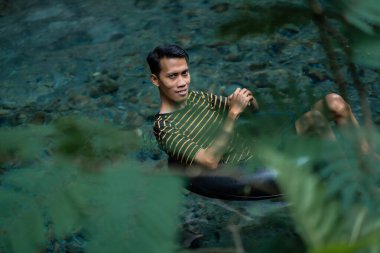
<point>21,223</point>
<point>26,232</point>
<point>134,211</point>
<point>258,19</point>
<point>316,216</point>
<point>362,14</point>
<point>65,216</point>
<point>366,50</point>
<point>23,143</point>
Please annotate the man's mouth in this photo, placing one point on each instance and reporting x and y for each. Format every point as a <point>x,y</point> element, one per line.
<point>182,92</point>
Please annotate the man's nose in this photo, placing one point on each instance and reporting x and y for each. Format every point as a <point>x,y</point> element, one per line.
<point>182,81</point>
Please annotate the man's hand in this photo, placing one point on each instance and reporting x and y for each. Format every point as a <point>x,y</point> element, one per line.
<point>240,99</point>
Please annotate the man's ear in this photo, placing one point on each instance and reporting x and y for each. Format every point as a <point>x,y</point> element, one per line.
<point>154,79</point>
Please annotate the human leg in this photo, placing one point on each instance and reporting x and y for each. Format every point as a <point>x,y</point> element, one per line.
<point>313,123</point>
<point>331,108</point>
<point>335,108</point>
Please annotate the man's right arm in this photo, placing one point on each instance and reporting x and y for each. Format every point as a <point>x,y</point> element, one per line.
<point>211,156</point>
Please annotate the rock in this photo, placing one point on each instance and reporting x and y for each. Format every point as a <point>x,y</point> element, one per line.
<point>5,7</point>
<point>234,57</point>
<point>150,100</point>
<point>144,4</point>
<point>106,101</point>
<point>289,30</point>
<point>220,8</point>
<point>4,112</point>
<point>49,12</point>
<point>133,100</point>
<point>75,101</point>
<point>16,119</point>
<point>185,40</point>
<point>105,30</point>
<point>107,86</point>
<point>258,66</point>
<point>39,117</point>
<point>315,74</point>
<point>133,120</point>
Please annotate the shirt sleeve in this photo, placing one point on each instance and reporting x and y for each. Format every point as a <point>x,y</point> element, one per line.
<point>218,103</point>
<point>173,142</point>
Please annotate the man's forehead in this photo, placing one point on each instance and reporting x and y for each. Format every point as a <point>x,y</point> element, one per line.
<point>173,64</point>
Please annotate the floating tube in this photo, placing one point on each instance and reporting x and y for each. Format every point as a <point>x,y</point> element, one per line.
<point>256,186</point>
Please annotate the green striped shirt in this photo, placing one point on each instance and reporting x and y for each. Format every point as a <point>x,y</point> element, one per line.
<point>183,133</point>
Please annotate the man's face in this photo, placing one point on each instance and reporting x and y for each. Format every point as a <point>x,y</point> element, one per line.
<point>173,80</point>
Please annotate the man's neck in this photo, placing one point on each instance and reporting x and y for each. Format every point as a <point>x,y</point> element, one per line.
<point>167,107</point>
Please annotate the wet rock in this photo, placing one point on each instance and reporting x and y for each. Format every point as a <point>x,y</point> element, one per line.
<point>114,75</point>
<point>174,6</point>
<point>17,119</point>
<point>277,46</point>
<point>185,40</point>
<point>39,117</point>
<point>49,12</point>
<point>133,100</point>
<point>75,101</point>
<point>133,120</point>
<point>5,7</point>
<point>234,57</point>
<point>73,39</point>
<point>104,30</point>
<point>106,101</point>
<point>150,101</point>
<point>144,4</point>
<point>218,43</point>
<point>220,8</point>
<point>4,114</point>
<point>289,30</point>
<point>258,66</point>
<point>315,74</point>
<point>107,86</point>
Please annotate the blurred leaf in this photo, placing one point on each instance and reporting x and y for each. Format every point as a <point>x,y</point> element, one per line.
<point>263,19</point>
<point>21,223</point>
<point>27,231</point>
<point>316,216</point>
<point>23,143</point>
<point>65,216</point>
<point>94,139</point>
<point>367,243</point>
<point>363,14</point>
<point>137,212</point>
<point>366,50</point>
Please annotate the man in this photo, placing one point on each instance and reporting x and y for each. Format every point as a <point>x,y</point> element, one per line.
<point>197,128</point>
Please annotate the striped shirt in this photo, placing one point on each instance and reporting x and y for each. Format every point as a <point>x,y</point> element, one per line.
<point>183,133</point>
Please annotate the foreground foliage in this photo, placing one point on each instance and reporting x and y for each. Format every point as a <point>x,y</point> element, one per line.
<point>73,178</point>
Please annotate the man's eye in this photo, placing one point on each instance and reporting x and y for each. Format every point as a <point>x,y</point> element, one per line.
<point>171,76</point>
<point>186,73</point>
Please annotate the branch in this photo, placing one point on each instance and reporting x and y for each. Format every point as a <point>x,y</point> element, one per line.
<point>343,42</point>
<point>320,21</point>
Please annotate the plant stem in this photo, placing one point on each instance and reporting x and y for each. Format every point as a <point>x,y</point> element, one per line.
<point>320,21</point>
<point>236,237</point>
<point>361,89</point>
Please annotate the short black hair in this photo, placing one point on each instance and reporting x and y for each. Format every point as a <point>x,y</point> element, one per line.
<point>169,51</point>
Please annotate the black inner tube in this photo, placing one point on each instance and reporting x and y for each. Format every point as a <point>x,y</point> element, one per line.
<point>256,186</point>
